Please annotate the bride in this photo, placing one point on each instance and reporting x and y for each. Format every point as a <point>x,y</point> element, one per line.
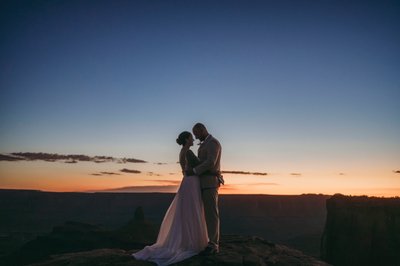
<point>183,232</point>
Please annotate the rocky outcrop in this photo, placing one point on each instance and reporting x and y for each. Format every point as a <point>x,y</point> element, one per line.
<point>77,236</point>
<point>362,231</point>
<point>235,250</point>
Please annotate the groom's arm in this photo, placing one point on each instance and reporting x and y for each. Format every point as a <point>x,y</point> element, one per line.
<point>192,159</point>
<point>213,150</point>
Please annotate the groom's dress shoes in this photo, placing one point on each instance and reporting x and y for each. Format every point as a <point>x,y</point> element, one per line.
<point>210,250</point>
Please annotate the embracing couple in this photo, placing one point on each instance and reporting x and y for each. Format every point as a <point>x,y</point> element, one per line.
<point>191,223</point>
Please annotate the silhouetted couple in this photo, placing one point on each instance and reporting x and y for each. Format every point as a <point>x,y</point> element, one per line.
<point>191,224</point>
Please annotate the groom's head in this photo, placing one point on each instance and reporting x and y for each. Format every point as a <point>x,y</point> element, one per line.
<point>200,131</point>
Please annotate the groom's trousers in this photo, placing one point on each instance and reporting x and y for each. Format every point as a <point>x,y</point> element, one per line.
<point>210,201</point>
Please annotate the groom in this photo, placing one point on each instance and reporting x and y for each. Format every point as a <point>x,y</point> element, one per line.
<point>208,170</point>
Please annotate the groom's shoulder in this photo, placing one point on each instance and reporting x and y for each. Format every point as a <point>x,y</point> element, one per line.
<point>213,139</point>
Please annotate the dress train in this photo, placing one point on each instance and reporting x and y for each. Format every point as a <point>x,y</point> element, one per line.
<point>183,232</point>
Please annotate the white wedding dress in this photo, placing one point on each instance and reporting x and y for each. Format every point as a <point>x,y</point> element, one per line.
<point>183,232</point>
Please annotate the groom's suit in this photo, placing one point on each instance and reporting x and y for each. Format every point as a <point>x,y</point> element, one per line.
<point>209,154</point>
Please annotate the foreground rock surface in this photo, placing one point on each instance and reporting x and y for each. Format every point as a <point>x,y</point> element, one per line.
<point>235,250</point>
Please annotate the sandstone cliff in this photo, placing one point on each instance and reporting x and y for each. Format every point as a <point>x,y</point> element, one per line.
<point>362,231</point>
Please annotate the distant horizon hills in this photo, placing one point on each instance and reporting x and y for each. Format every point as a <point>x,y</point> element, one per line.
<point>126,190</point>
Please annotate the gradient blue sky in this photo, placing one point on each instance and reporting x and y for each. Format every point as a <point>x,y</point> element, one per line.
<point>287,86</point>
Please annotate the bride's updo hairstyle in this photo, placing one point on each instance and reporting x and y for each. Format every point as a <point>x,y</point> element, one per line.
<point>181,140</point>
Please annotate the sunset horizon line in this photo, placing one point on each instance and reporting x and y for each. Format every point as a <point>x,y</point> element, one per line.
<point>113,191</point>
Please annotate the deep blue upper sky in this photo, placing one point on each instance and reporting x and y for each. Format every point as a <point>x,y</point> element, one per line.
<point>276,80</point>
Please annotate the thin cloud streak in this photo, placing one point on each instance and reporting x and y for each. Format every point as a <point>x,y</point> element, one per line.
<point>125,170</point>
<point>105,173</point>
<point>153,174</point>
<point>109,173</point>
<point>243,173</point>
<point>141,189</point>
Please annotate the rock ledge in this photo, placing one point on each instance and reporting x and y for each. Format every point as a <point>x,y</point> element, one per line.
<point>235,250</point>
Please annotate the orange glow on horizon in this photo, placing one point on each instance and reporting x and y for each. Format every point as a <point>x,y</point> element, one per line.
<point>59,177</point>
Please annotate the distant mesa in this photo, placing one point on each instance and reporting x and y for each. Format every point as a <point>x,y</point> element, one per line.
<point>69,158</point>
<point>130,171</point>
<point>295,174</point>
<point>172,182</point>
<point>109,173</point>
<point>243,173</point>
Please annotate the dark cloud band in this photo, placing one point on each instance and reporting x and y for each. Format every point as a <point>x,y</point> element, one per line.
<point>130,171</point>
<point>70,158</point>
